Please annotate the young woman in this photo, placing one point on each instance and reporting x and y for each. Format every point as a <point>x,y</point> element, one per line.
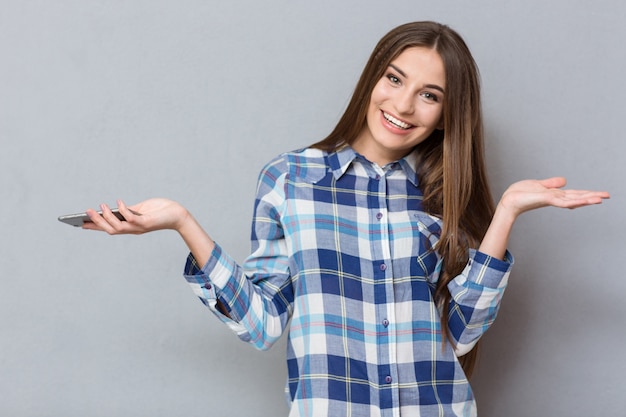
<point>380,244</point>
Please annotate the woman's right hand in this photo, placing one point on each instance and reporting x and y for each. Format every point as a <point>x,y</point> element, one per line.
<point>151,215</point>
<point>147,216</point>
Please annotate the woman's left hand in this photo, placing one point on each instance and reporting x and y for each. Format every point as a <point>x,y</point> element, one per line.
<point>528,195</point>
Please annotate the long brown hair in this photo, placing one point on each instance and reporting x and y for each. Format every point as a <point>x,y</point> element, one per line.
<point>451,165</point>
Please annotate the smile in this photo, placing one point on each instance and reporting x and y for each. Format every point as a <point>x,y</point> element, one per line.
<point>396,122</point>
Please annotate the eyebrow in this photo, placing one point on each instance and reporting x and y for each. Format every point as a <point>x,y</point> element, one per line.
<point>433,86</point>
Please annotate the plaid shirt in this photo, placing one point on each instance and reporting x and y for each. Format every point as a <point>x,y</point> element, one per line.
<point>343,248</point>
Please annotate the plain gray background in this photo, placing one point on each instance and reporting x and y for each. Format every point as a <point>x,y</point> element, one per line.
<point>101,100</point>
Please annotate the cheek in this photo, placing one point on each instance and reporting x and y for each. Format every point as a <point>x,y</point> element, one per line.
<point>434,116</point>
<point>376,101</point>
<point>440,122</point>
<point>372,111</point>
<point>379,94</point>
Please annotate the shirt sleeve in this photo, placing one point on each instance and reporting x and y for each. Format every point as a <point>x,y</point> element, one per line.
<point>257,294</point>
<point>476,296</point>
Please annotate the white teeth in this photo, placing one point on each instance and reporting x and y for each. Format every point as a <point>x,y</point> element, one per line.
<point>396,122</point>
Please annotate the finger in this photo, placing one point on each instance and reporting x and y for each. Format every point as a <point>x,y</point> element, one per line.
<point>133,217</point>
<point>114,224</point>
<point>587,194</point>
<point>108,215</point>
<point>554,182</point>
<point>98,222</point>
<point>584,203</point>
<point>125,211</point>
<point>581,201</point>
<point>602,195</point>
<point>94,218</point>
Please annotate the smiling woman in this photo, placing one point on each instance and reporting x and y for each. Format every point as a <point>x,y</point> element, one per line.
<point>379,249</point>
<point>405,108</point>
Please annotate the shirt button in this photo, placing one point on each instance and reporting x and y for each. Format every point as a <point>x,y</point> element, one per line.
<point>385,322</point>
<point>379,216</point>
<point>383,267</point>
<point>388,379</point>
<point>208,286</point>
<point>377,177</point>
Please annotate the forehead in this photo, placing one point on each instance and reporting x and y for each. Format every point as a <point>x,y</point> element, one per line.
<point>421,63</point>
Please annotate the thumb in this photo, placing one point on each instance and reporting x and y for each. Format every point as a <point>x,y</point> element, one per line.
<point>554,182</point>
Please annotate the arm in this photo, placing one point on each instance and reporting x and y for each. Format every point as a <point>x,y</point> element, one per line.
<point>254,300</point>
<point>258,294</point>
<point>528,195</point>
<point>477,291</point>
<point>152,215</point>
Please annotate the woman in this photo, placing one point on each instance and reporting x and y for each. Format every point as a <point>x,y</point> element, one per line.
<point>380,244</point>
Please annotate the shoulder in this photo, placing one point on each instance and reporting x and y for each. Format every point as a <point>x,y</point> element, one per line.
<point>306,164</point>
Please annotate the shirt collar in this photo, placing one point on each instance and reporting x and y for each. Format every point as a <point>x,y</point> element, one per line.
<point>408,164</point>
<point>341,159</point>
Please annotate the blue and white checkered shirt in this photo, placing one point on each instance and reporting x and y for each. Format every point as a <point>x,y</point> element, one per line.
<point>343,249</point>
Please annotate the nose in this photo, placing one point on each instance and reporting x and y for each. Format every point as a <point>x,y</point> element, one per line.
<point>405,102</point>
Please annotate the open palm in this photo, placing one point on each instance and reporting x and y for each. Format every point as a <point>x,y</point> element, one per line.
<point>528,195</point>
<point>147,216</point>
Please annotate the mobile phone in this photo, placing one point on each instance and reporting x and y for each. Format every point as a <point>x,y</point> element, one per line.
<point>78,219</point>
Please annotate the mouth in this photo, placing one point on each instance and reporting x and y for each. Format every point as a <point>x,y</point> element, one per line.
<point>397,122</point>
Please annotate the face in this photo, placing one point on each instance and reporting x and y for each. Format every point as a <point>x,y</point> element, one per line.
<point>405,108</point>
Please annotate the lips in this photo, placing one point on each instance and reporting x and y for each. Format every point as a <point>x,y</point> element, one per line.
<point>396,122</point>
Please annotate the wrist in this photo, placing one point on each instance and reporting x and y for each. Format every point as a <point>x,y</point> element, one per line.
<point>496,238</point>
<point>198,241</point>
<point>186,223</point>
<point>504,213</point>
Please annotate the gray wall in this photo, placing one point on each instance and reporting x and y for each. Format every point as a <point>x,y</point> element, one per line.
<point>102,100</point>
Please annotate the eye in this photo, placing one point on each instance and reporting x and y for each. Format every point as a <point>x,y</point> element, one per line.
<point>429,96</point>
<point>393,78</point>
